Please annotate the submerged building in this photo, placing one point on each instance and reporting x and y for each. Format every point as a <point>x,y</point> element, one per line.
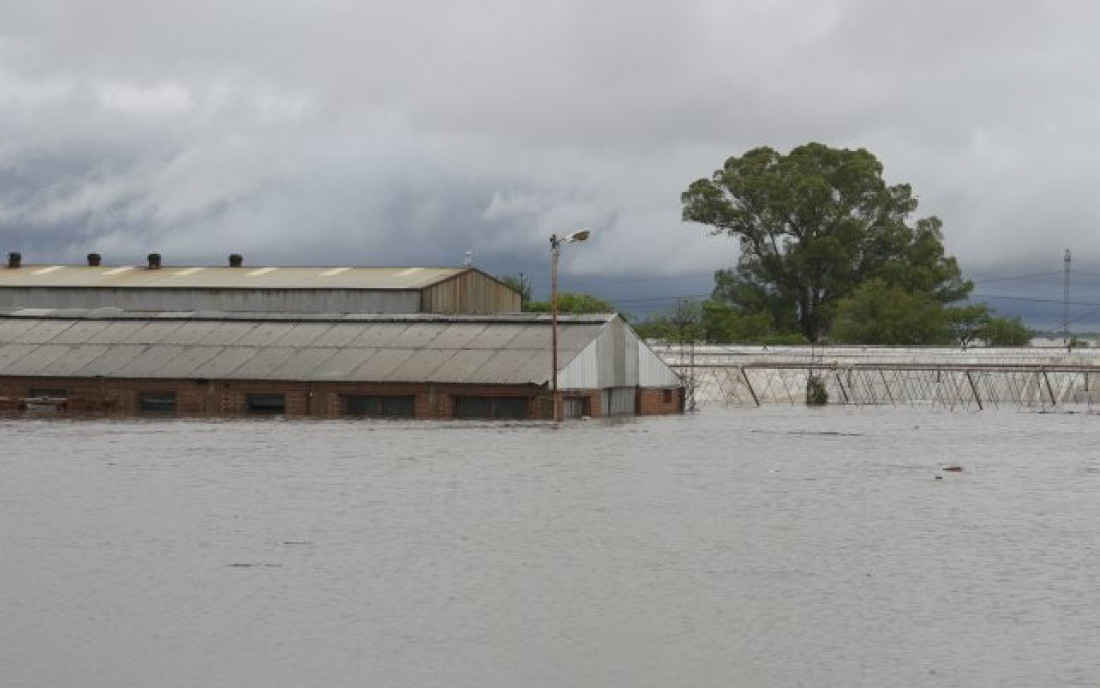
<point>310,342</point>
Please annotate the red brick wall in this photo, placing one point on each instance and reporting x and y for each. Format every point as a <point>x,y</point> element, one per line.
<point>309,399</point>
<point>653,402</point>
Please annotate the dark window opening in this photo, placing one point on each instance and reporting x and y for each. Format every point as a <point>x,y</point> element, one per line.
<point>157,402</point>
<point>265,403</point>
<point>40,393</point>
<point>575,407</point>
<point>379,406</point>
<point>667,394</point>
<point>497,408</point>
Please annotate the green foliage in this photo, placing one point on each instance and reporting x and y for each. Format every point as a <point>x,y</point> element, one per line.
<point>680,323</point>
<point>967,323</point>
<point>884,314</point>
<point>722,324</point>
<point>788,339</point>
<point>813,226</point>
<point>519,283</point>
<point>573,302</point>
<point>1006,332</point>
<point>713,322</point>
<point>816,393</point>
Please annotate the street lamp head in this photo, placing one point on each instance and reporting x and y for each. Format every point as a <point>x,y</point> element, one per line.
<point>579,235</point>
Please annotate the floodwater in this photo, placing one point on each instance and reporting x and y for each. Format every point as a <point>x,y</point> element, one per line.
<point>767,547</point>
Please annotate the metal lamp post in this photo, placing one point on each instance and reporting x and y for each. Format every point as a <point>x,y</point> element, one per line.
<point>555,251</point>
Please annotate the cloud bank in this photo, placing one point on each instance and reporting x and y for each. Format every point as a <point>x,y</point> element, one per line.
<point>335,132</point>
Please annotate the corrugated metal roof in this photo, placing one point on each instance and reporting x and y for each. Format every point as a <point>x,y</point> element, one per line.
<point>200,277</point>
<point>508,349</point>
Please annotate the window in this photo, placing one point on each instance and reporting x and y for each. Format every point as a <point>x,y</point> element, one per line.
<point>40,393</point>
<point>379,406</point>
<point>265,403</point>
<point>574,407</point>
<point>157,402</point>
<point>510,408</point>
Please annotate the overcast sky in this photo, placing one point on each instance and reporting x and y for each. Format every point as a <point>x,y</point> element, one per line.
<point>405,132</point>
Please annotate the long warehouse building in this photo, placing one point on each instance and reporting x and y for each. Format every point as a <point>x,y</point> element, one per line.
<point>331,356</point>
<point>269,289</point>
<point>413,366</point>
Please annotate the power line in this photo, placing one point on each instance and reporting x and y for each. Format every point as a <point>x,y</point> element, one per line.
<point>1032,299</point>
<point>1012,278</point>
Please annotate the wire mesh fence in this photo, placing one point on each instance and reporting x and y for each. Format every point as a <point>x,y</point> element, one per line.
<point>1040,379</point>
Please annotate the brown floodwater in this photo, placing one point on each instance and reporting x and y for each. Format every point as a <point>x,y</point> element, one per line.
<point>768,547</point>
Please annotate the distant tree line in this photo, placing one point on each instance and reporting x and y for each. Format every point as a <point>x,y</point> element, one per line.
<point>568,301</point>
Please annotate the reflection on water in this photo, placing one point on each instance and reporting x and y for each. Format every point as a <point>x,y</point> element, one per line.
<point>768,547</point>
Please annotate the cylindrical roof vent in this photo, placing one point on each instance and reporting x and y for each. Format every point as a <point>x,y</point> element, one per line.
<point>154,261</point>
<point>15,259</point>
<point>94,259</point>
<point>236,260</point>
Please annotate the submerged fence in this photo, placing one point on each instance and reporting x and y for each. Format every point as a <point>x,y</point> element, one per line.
<point>977,379</point>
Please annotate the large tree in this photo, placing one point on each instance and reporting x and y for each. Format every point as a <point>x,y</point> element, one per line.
<point>814,225</point>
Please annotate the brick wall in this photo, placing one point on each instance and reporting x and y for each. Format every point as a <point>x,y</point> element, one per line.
<point>302,399</point>
<point>653,402</point>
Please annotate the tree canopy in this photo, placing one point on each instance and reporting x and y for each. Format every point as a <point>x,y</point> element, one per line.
<point>815,226</point>
<point>573,302</point>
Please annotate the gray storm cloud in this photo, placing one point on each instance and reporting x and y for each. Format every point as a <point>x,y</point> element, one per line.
<point>396,132</point>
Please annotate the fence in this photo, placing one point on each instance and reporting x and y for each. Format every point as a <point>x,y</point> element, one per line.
<point>865,376</point>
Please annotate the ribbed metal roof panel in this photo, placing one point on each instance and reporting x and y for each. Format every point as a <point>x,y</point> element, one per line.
<point>464,366</point>
<point>118,333</point>
<point>37,360</point>
<point>11,354</point>
<point>13,330</point>
<point>80,332</point>
<point>304,334</point>
<point>302,364</point>
<point>264,334</point>
<point>380,335</point>
<point>494,350</point>
<point>261,364</point>
<point>190,332</point>
<point>34,332</point>
<point>498,336</point>
<point>77,358</point>
<point>202,277</point>
<point>104,360</point>
<point>381,365</point>
<point>222,334</point>
<point>225,364</point>
<point>153,332</point>
<point>342,365</point>
<point>338,335</point>
<point>422,335</point>
<point>455,336</point>
<point>423,364</point>
<point>521,366</point>
<point>185,361</point>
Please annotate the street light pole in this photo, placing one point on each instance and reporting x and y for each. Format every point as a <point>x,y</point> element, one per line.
<point>555,251</point>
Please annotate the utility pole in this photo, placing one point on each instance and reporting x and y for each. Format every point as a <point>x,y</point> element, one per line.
<point>1065,303</point>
